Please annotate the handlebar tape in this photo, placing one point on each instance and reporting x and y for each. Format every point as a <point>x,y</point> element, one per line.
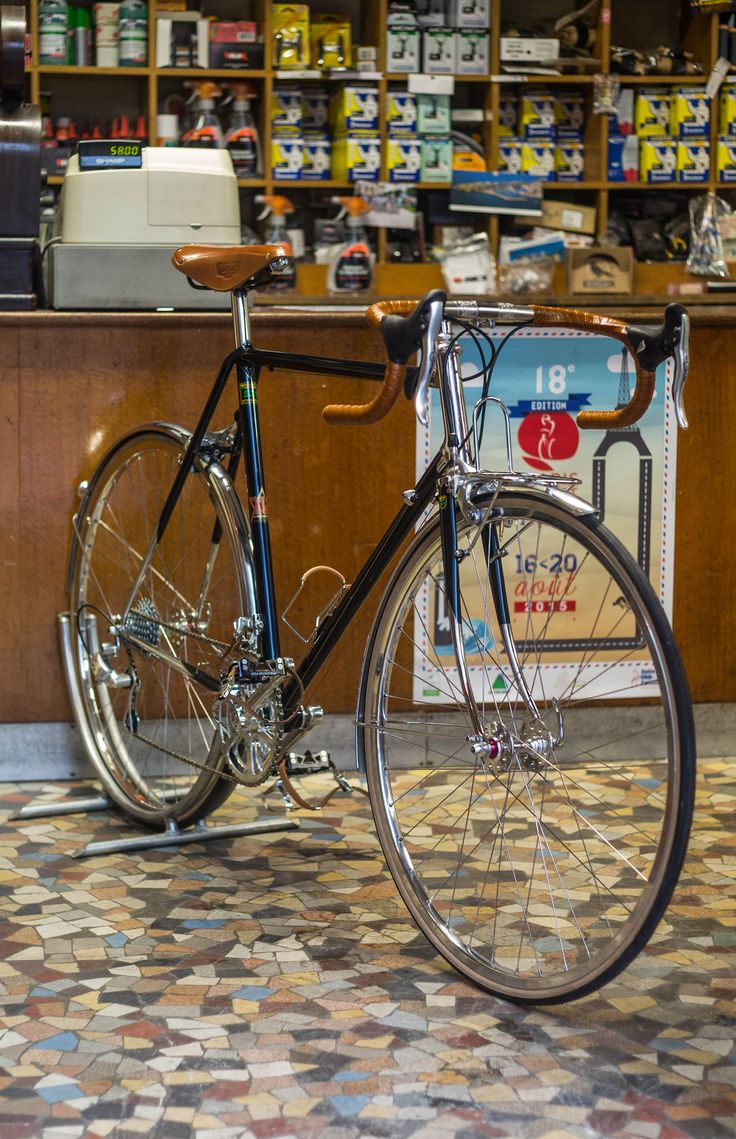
<point>393,381</point>
<point>607,326</point>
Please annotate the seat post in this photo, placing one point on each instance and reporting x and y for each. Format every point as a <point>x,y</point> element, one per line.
<point>241,317</point>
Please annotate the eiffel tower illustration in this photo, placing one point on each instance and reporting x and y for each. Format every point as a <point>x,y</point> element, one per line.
<point>633,436</point>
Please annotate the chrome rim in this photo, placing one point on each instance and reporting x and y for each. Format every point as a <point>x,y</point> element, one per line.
<point>534,865</point>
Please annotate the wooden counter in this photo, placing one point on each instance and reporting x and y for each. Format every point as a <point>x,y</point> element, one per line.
<point>71,383</point>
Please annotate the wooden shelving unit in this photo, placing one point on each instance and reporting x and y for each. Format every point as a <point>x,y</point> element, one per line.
<point>698,33</point>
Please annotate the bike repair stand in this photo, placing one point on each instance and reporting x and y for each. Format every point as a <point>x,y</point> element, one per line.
<point>172,836</point>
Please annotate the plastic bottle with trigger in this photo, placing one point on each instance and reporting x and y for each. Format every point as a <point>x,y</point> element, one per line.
<point>351,268</point>
<point>206,130</point>
<point>277,207</point>
<point>242,135</point>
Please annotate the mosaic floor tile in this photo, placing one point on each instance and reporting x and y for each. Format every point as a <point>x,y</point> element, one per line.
<point>273,986</point>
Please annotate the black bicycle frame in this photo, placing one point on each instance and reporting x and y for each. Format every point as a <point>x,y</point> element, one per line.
<point>248,362</point>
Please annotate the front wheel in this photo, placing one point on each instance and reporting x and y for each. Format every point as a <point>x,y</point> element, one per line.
<point>539,863</point>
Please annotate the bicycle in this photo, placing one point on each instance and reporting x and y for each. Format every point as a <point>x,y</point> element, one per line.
<point>539,848</point>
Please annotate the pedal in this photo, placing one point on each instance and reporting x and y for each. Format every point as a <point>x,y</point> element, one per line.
<point>309,763</point>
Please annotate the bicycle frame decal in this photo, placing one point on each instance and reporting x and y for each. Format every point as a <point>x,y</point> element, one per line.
<point>544,377</point>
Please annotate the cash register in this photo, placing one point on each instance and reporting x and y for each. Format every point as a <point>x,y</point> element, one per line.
<point>124,209</point>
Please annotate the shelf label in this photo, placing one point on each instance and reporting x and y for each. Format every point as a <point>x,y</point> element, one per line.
<point>110,154</point>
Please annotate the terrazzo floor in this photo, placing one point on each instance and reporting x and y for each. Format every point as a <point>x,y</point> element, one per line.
<point>273,986</point>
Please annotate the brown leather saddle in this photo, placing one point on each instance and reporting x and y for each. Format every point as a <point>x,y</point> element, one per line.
<point>225,268</point>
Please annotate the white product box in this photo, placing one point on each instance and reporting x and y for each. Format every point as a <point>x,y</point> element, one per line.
<point>472,51</point>
<point>438,51</point>
<point>469,13</point>
<point>525,49</point>
<point>402,48</point>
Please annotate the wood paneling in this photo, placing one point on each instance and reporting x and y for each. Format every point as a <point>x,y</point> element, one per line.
<point>69,385</point>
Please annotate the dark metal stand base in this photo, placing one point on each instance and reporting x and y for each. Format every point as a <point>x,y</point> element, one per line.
<point>172,836</point>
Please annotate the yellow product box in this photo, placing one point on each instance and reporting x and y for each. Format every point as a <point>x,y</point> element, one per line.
<point>693,159</point>
<point>404,158</point>
<point>657,159</point>
<point>286,109</point>
<point>508,113</point>
<point>356,157</point>
<point>287,155</point>
<point>689,112</point>
<point>354,108</point>
<point>509,155</point>
<point>401,112</point>
<point>727,110</point>
<point>290,31</point>
<point>651,113</point>
<point>537,115</point>
<point>726,158</point>
<point>538,158</point>
<point>330,40</point>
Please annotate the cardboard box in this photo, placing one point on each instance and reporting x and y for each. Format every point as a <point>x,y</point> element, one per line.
<point>623,158</point>
<point>433,114</point>
<point>431,13</point>
<point>525,49</point>
<point>652,113</point>
<point>600,269</point>
<point>437,152</point>
<point>402,48</point>
<point>233,44</point>
<point>472,46</point>
<point>689,112</point>
<point>570,216</point>
<point>438,51</point>
<point>693,160</point>
<point>657,159</point>
<point>404,158</point>
<point>401,112</point>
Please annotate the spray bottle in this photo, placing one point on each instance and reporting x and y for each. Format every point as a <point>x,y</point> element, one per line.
<point>275,233</point>
<point>351,267</point>
<point>206,130</point>
<point>242,136</point>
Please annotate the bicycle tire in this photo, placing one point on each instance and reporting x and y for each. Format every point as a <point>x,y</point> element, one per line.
<point>136,759</point>
<point>539,883</point>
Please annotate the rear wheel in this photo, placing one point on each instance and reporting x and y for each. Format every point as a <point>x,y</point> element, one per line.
<point>149,727</point>
<point>540,864</point>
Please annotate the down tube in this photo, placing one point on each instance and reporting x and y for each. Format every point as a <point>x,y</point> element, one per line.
<point>258,505</point>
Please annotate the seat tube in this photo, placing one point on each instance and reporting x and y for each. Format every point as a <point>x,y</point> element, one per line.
<point>248,376</point>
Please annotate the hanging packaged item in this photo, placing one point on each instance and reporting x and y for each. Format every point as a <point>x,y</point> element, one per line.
<point>330,41</point>
<point>706,247</point>
<point>290,24</point>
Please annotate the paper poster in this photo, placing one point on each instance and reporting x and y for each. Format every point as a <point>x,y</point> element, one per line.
<point>544,377</point>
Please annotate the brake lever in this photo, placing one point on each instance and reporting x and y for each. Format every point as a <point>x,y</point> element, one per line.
<point>681,357</point>
<point>429,359</point>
